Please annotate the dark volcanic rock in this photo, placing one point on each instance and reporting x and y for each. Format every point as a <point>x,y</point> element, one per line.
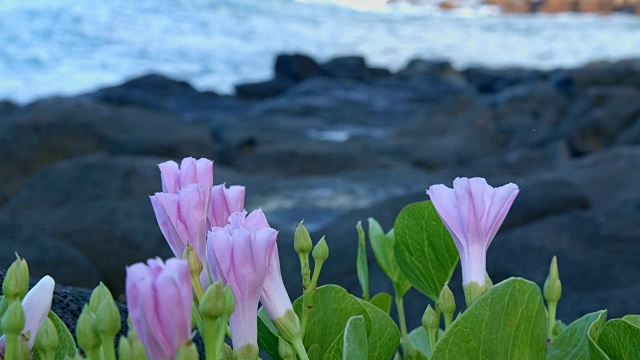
<point>600,115</point>
<point>7,107</point>
<point>45,254</point>
<point>264,89</point>
<point>619,73</point>
<point>346,67</point>
<point>436,68</point>
<point>297,67</point>
<point>493,80</point>
<point>54,129</point>
<point>99,205</point>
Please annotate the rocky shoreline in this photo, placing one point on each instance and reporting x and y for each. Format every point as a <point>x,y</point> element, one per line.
<point>333,144</point>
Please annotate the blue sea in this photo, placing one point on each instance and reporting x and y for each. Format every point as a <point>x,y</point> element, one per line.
<point>66,47</point>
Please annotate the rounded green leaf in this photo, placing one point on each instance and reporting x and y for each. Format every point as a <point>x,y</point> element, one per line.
<point>332,308</point>
<point>384,335</point>
<point>573,342</point>
<point>620,340</point>
<point>633,319</point>
<point>66,344</point>
<point>382,301</point>
<point>595,353</point>
<point>424,249</point>
<point>355,345</point>
<point>507,322</point>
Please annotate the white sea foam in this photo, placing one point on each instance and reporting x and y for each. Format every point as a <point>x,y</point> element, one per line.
<point>69,46</point>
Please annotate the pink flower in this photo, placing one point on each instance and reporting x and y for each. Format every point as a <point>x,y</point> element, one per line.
<point>182,218</point>
<point>239,255</point>
<point>36,305</point>
<point>191,171</point>
<point>472,212</point>
<point>159,300</point>
<point>224,202</point>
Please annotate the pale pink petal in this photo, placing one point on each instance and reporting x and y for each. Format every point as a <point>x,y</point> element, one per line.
<point>169,174</point>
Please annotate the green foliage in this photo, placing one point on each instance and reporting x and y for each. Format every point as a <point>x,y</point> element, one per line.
<point>362,267</point>
<point>424,249</point>
<point>620,339</point>
<point>333,307</point>
<point>633,319</point>
<point>382,245</point>
<point>595,353</point>
<point>382,301</point>
<point>573,342</point>
<point>507,322</point>
<point>355,339</point>
<point>420,340</point>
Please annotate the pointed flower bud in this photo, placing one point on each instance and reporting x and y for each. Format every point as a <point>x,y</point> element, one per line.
<point>472,212</point>
<point>108,320</point>
<point>321,251</point>
<point>212,305</point>
<point>47,338</point>
<point>430,319</point>
<point>285,350</point>
<point>86,333</point>
<point>124,349</point>
<point>552,286</point>
<point>195,264</point>
<point>13,320</point>
<point>16,280</point>
<point>302,240</point>
<point>447,301</point>
<point>99,295</point>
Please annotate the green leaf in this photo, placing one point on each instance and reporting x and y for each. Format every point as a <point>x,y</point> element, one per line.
<point>332,308</point>
<point>382,245</point>
<point>334,352</point>
<point>573,341</point>
<point>268,334</point>
<point>420,340</point>
<point>355,339</point>
<point>384,335</point>
<point>595,353</point>
<point>361,263</point>
<point>382,301</point>
<point>633,319</point>
<point>620,340</point>
<point>507,322</point>
<point>424,249</point>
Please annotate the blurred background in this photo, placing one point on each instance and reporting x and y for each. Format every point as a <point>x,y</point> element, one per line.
<point>331,112</point>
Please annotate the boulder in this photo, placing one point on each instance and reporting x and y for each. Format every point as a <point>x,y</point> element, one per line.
<point>7,106</point>
<point>264,89</point>
<point>600,115</point>
<point>492,80</point>
<point>296,67</point>
<point>346,67</point>
<point>618,73</point>
<point>59,128</point>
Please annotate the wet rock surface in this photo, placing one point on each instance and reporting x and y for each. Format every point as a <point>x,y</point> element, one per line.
<point>340,143</point>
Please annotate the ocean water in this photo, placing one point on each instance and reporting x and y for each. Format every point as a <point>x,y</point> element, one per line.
<point>66,47</point>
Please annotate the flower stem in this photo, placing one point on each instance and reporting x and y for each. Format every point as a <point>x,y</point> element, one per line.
<point>211,329</point>
<point>219,340</point>
<point>552,318</point>
<point>11,341</point>
<point>108,349</point>
<point>299,347</point>
<point>403,323</point>
<point>197,287</point>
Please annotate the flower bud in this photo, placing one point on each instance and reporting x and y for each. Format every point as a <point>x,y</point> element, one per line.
<point>13,319</point>
<point>288,326</point>
<point>108,320</point>
<point>212,305</point>
<point>195,264</point>
<point>187,351</point>
<point>321,251</point>
<point>229,301</point>
<point>16,280</point>
<point>301,240</point>
<point>552,286</point>
<point>86,334</point>
<point>124,349</point>
<point>447,301</point>
<point>285,350</point>
<point>430,319</point>
<point>137,349</point>
<point>226,353</point>
<point>100,294</point>
<point>47,338</point>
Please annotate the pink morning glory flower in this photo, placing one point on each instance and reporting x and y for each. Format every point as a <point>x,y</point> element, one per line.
<point>238,255</point>
<point>190,171</point>
<point>159,300</point>
<point>36,305</point>
<point>224,202</point>
<point>472,212</point>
